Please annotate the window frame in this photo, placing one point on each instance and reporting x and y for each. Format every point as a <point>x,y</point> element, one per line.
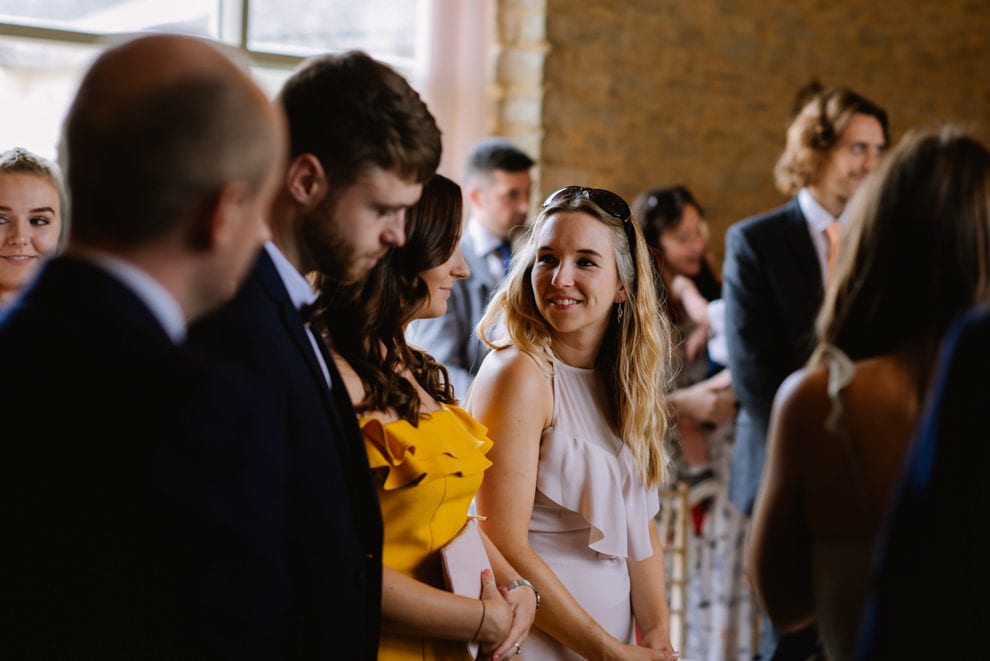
<point>232,29</point>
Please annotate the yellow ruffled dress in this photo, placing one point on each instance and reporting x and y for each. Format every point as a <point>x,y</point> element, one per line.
<point>426,478</point>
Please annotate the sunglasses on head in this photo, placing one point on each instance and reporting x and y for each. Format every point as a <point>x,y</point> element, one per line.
<point>607,201</point>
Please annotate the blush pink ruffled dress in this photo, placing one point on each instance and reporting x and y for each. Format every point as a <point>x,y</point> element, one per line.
<point>592,512</point>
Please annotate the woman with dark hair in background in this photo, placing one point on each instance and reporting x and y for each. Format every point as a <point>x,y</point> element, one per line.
<point>717,612</point>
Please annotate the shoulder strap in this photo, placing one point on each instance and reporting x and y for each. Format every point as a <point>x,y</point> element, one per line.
<point>841,371</point>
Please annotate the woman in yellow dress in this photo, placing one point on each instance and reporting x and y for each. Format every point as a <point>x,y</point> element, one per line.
<point>427,454</point>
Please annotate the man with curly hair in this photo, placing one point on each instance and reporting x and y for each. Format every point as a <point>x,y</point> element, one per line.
<point>776,265</point>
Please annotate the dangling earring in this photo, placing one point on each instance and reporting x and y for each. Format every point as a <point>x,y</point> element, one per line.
<point>619,307</point>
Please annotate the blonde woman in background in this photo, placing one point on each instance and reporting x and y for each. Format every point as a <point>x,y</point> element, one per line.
<point>32,204</point>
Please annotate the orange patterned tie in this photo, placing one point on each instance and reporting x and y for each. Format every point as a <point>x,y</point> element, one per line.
<point>832,233</point>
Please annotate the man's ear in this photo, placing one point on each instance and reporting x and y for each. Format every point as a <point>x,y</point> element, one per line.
<point>306,181</point>
<point>477,198</point>
<point>221,217</point>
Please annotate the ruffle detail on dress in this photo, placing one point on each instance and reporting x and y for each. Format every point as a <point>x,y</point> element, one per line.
<point>604,488</point>
<point>448,442</point>
<point>840,374</point>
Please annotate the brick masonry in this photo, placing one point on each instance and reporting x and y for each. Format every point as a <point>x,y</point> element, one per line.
<point>625,94</point>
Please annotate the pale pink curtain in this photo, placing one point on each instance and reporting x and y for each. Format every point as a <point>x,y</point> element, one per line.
<point>456,72</point>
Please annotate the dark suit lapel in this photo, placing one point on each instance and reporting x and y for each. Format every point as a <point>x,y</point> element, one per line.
<point>301,338</point>
<point>338,391</point>
<point>343,410</point>
<point>351,447</point>
<point>339,410</point>
<point>801,248</point>
<point>290,319</point>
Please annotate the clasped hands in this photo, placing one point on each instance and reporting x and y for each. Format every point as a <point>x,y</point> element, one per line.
<point>508,617</point>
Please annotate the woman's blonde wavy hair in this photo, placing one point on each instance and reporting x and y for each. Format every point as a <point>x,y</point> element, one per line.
<point>634,359</point>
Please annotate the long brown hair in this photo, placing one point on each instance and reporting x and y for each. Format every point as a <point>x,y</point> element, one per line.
<point>366,321</point>
<point>916,251</point>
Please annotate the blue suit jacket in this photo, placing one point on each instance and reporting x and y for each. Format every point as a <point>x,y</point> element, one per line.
<point>335,526</point>
<point>451,338</point>
<point>772,286</point>
<point>932,576</point>
<point>141,490</point>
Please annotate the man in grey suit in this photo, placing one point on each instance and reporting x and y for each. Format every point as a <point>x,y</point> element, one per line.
<point>774,272</point>
<point>497,184</point>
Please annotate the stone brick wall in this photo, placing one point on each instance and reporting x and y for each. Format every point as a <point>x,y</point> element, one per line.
<point>624,94</point>
<point>520,53</point>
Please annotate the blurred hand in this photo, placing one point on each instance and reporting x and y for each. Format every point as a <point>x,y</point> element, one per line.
<point>720,380</point>
<point>696,343</point>
<point>707,401</point>
<point>638,653</point>
<point>659,640</point>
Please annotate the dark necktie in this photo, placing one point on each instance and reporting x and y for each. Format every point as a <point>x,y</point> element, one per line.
<point>308,312</point>
<point>504,250</point>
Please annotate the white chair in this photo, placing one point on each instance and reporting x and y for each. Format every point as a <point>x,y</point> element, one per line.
<point>673,527</point>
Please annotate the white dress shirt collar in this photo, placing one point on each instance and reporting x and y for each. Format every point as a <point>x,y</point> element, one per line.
<point>816,215</point>
<point>300,290</point>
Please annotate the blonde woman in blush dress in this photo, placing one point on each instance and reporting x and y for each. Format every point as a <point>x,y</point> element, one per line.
<point>573,401</point>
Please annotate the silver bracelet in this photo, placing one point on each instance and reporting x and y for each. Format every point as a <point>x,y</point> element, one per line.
<point>521,582</point>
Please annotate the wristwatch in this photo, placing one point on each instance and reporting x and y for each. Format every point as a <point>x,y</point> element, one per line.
<point>520,582</point>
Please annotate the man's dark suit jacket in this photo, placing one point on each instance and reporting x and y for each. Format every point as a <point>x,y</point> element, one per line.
<point>335,527</point>
<point>141,493</point>
<point>932,576</point>
<point>772,286</point>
